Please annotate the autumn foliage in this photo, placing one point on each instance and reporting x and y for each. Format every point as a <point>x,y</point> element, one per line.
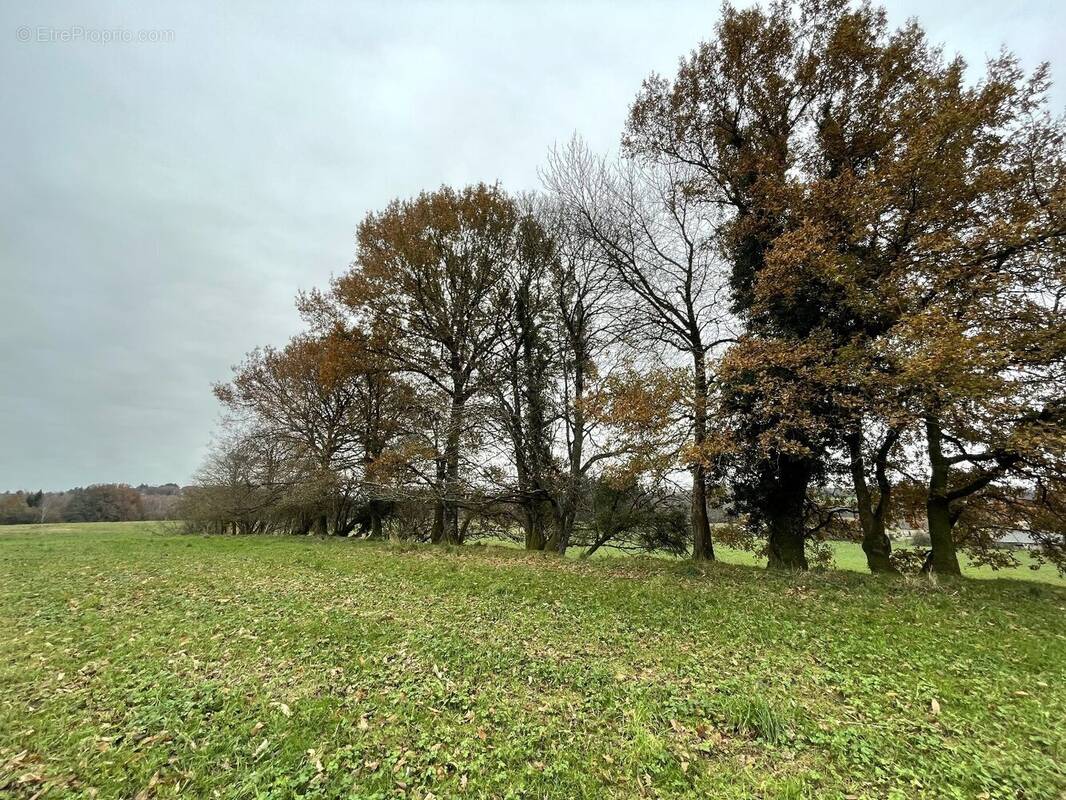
<point>820,294</point>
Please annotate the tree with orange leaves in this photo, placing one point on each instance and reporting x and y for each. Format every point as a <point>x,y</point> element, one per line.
<point>429,278</point>
<point>893,234</point>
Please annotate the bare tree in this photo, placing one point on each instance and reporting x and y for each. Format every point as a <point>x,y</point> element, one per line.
<point>662,246</point>
<point>583,292</point>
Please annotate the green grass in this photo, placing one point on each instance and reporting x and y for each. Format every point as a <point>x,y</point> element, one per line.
<point>138,663</point>
<point>849,556</point>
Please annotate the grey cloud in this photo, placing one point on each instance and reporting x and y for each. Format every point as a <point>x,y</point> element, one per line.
<point>163,202</point>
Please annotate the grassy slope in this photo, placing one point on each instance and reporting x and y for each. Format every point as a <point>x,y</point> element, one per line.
<point>134,661</point>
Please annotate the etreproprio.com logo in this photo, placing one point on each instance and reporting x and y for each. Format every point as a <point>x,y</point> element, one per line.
<point>79,33</point>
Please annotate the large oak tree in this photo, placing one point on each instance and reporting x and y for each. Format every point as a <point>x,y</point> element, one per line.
<point>429,275</point>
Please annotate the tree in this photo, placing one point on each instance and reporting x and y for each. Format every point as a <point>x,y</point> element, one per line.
<point>583,294</point>
<point>930,211</point>
<point>662,247</point>
<point>977,347</point>
<point>104,503</point>
<point>632,514</point>
<point>306,396</point>
<point>736,115</point>
<point>386,426</point>
<point>527,365</point>
<point>429,276</point>
<point>14,509</point>
<point>247,485</point>
<point>885,219</point>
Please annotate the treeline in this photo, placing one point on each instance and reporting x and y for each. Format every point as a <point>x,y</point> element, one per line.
<point>107,502</point>
<point>820,293</point>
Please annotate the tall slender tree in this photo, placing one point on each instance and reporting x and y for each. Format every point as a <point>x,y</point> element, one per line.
<point>583,294</point>
<point>662,246</point>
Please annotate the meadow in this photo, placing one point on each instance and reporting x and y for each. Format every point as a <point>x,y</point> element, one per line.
<point>138,662</point>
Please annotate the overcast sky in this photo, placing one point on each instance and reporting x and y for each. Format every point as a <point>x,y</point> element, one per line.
<point>162,202</point>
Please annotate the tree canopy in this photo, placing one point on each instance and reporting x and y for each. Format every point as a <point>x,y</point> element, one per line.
<point>818,294</point>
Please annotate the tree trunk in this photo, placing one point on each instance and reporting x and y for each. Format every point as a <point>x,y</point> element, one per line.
<point>552,539</point>
<point>875,542</point>
<point>451,486</point>
<point>437,534</point>
<point>535,539</point>
<point>600,542</point>
<point>563,524</point>
<point>943,559</point>
<point>787,543</point>
<point>322,525</point>
<point>567,510</point>
<point>566,534</point>
<point>702,546</point>
<point>787,492</point>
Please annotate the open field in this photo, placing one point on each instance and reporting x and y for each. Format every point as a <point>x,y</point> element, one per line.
<point>141,663</point>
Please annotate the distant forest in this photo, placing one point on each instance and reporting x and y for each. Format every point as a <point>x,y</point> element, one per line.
<point>104,502</point>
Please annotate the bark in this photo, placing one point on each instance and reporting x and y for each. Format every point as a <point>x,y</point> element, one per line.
<point>564,530</point>
<point>451,484</point>
<point>526,424</point>
<point>785,497</point>
<point>600,542</point>
<point>523,456</point>
<point>875,542</point>
<point>943,558</point>
<point>376,508</point>
<point>702,546</point>
<point>534,525</point>
<point>551,543</point>
<point>567,510</point>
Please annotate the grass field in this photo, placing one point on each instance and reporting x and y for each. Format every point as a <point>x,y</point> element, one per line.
<point>849,556</point>
<point>138,663</point>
